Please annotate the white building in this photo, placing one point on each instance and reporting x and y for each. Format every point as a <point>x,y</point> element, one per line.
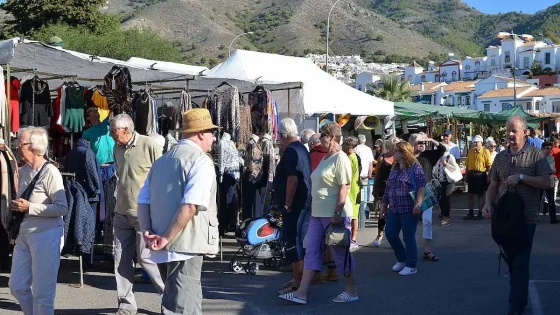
<point>498,100</point>
<point>365,79</point>
<point>450,71</point>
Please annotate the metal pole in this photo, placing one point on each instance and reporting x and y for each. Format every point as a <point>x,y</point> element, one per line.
<point>514,66</point>
<point>236,37</point>
<point>328,32</point>
<point>8,137</point>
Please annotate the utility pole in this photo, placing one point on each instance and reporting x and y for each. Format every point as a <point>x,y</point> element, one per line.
<point>328,31</point>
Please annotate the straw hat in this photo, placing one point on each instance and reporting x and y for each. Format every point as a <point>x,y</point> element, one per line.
<point>197,119</point>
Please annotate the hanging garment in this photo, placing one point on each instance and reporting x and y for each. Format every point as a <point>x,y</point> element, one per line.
<point>79,224</point>
<point>224,108</point>
<point>35,103</point>
<point>184,105</point>
<point>245,124</point>
<point>228,211</point>
<point>269,159</point>
<point>259,102</point>
<point>142,111</point>
<point>253,161</point>
<point>74,108</point>
<point>170,142</point>
<point>100,101</point>
<point>82,161</point>
<point>14,87</point>
<point>117,88</point>
<point>9,182</point>
<point>228,158</point>
<point>109,187</point>
<point>3,102</point>
<point>167,118</point>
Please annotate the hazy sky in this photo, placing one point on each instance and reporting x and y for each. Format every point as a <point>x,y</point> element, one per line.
<point>503,6</point>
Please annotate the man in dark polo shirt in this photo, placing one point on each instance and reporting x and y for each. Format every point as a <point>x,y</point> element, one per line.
<point>524,168</point>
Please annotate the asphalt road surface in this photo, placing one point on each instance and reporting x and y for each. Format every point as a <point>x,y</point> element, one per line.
<point>464,281</point>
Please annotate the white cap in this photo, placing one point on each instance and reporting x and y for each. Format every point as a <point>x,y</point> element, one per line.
<point>478,138</point>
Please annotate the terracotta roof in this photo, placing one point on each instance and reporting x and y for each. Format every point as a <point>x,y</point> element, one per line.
<point>415,65</point>
<point>545,92</point>
<point>427,86</point>
<point>460,86</point>
<point>509,79</point>
<point>507,92</point>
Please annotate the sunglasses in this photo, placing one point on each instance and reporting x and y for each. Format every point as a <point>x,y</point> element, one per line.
<point>324,135</point>
<point>420,143</point>
<point>491,146</point>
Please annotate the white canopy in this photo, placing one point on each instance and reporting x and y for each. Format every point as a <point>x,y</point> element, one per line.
<point>166,66</point>
<point>322,93</point>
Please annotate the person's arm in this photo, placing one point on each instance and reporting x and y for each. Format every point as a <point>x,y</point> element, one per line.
<point>291,187</point>
<point>290,161</point>
<point>376,175</point>
<point>144,206</point>
<point>182,217</point>
<point>370,170</point>
<point>155,151</point>
<point>343,179</point>
<point>434,155</point>
<point>543,179</point>
<point>491,192</point>
<point>54,186</point>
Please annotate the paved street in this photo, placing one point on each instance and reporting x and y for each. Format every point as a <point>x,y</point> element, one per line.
<point>464,281</point>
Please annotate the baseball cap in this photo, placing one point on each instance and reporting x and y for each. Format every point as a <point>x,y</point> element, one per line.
<point>478,138</point>
<point>447,132</point>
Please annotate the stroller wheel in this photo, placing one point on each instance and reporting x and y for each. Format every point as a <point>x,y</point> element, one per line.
<point>252,268</point>
<point>235,266</point>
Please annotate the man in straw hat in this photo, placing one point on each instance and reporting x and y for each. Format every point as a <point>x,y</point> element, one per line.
<point>178,213</point>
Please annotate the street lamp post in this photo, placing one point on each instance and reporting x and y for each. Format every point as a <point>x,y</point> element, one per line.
<point>514,68</point>
<point>236,37</point>
<point>328,31</point>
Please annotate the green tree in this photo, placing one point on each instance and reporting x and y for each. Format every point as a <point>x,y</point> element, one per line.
<point>536,68</point>
<point>32,15</point>
<point>394,90</point>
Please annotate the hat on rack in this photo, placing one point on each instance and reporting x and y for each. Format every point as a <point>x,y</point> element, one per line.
<point>197,119</point>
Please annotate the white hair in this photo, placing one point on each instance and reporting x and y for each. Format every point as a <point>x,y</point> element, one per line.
<point>361,139</point>
<point>122,121</point>
<point>306,135</point>
<point>490,141</point>
<point>415,137</point>
<point>316,138</point>
<point>38,139</point>
<point>518,118</point>
<point>389,143</point>
<point>288,128</point>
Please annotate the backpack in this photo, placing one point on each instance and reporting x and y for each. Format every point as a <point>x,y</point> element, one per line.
<point>509,228</point>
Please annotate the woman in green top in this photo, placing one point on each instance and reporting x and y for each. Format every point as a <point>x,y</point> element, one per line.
<point>349,147</point>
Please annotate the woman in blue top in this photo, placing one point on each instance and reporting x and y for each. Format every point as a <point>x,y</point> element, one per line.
<point>404,212</point>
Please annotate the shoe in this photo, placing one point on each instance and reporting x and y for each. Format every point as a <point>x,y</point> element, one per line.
<point>445,222</point>
<point>479,217</point>
<point>330,275</point>
<point>469,216</point>
<point>354,246</point>
<point>345,298</point>
<point>287,290</point>
<point>318,279</point>
<point>377,242</point>
<point>399,266</point>
<point>123,311</point>
<point>407,271</point>
<point>291,298</point>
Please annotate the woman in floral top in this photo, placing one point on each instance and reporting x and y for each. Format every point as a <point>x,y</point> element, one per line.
<point>403,211</point>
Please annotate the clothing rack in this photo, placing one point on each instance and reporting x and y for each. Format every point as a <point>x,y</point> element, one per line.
<point>72,176</point>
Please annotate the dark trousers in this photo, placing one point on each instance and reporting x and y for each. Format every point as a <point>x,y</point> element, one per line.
<point>227,213</point>
<point>551,204</point>
<point>289,234</point>
<point>519,273</point>
<point>250,200</point>
<point>444,203</point>
<point>4,249</point>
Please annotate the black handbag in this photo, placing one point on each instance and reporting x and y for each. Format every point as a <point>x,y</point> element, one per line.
<point>17,217</point>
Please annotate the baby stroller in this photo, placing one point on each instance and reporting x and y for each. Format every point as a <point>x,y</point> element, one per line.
<point>259,238</point>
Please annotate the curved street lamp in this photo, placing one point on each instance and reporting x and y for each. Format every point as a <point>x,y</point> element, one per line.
<point>236,37</point>
<point>328,31</point>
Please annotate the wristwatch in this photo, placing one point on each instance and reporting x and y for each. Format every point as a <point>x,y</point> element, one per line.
<point>338,213</point>
<point>521,177</point>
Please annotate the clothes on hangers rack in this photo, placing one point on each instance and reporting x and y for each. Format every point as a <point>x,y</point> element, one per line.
<point>117,87</point>
<point>35,103</point>
<point>143,112</point>
<point>224,109</point>
<point>79,222</point>
<point>14,86</point>
<point>260,101</point>
<point>269,158</point>
<point>82,161</point>
<point>245,124</point>
<point>168,118</point>
<point>100,101</point>
<point>110,187</point>
<point>228,157</point>
<point>74,108</point>
<point>3,103</point>
<point>9,183</point>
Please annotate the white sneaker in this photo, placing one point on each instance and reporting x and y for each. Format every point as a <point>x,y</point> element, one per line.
<point>377,243</point>
<point>354,246</point>
<point>398,266</point>
<point>407,271</point>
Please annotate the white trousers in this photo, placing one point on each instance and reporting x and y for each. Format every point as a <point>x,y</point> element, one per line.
<point>35,269</point>
<point>427,230</point>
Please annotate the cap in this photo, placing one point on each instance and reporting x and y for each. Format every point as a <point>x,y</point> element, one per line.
<point>478,138</point>
<point>447,132</point>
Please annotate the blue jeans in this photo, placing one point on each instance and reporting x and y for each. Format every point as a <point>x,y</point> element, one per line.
<point>519,273</point>
<point>407,222</point>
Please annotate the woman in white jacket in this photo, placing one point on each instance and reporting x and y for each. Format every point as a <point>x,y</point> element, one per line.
<point>40,239</point>
<point>447,161</point>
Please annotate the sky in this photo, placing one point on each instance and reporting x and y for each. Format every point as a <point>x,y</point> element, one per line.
<point>503,6</point>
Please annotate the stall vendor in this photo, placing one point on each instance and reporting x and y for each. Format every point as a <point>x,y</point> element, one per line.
<point>99,138</point>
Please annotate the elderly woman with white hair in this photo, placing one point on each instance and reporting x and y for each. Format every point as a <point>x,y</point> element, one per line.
<point>40,206</point>
<point>491,146</point>
<point>306,136</point>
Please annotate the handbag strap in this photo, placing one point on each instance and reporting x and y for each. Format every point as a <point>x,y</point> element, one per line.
<point>413,179</point>
<point>29,190</point>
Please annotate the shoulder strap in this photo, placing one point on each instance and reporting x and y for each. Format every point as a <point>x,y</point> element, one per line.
<point>29,190</point>
<point>412,178</point>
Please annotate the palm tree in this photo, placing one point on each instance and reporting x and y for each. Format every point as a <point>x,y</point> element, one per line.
<point>394,90</point>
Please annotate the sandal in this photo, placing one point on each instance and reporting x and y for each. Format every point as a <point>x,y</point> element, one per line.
<point>288,284</point>
<point>430,257</point>
<point>345,298</point>
<point>287,290</point>
<point>290,297</point>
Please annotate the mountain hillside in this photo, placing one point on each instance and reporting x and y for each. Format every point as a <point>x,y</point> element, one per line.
<point>206,28</point>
